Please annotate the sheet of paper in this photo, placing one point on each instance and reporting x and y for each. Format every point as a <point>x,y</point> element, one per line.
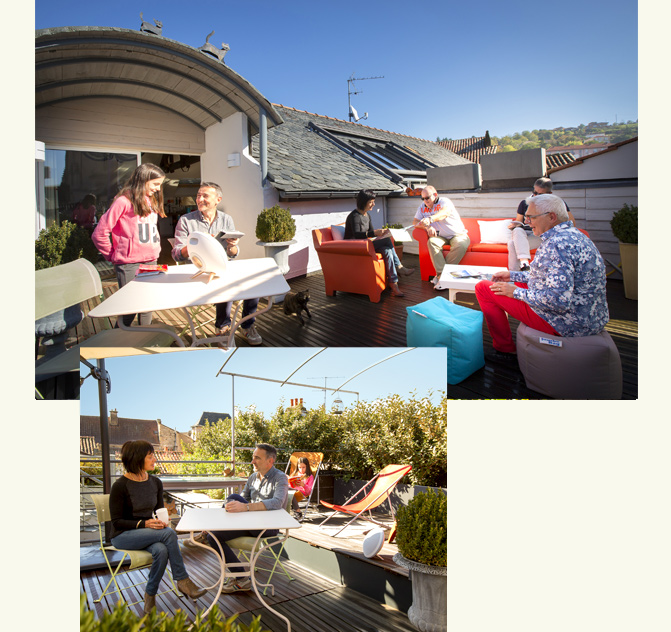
<point>400,234</point>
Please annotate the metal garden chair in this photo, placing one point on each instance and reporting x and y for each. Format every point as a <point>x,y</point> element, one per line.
<point>138,559</point>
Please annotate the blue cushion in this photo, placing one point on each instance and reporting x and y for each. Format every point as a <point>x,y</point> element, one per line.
<point>59,322</point>
<point>440,323</point>
<point>338,232</point>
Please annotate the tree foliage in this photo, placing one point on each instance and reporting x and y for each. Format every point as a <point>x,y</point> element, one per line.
<point>121,619</point>
<point>61,244</point>
<point>563,136</point>
<point>357,443</point>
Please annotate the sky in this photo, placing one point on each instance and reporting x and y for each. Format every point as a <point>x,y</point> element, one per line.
<point>186,384</point>
<point>450,69</point>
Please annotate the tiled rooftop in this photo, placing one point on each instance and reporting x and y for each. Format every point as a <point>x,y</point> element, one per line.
<point>471,148</point>
<point>125,430</point>
<point>552,161</point>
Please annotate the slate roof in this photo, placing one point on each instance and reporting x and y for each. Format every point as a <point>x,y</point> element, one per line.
<point>212,418</point>
<point>471,148</point>
<point>126,430</point>
<point>301,161</point>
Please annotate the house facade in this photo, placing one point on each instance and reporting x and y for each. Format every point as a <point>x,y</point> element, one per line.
<point>108,99</point>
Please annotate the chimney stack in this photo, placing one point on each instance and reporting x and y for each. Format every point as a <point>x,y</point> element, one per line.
<point>114,418</point>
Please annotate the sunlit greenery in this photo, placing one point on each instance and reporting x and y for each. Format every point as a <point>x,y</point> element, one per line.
<point>564,136</point>
<point>121,619</point>
<point>357,443</point>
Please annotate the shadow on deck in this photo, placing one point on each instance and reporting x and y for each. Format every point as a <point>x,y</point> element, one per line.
<point>351,320</point>
<point>311,600</point>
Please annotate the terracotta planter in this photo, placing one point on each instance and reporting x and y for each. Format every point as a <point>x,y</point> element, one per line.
<point>428,612</point>
<point>629,258</point>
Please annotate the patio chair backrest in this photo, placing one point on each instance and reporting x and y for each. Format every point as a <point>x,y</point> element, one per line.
<point>64,285</point>
<point>102,505</point>
<point>384,484</point>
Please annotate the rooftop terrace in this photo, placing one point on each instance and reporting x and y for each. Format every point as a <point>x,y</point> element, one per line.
<point>351,320</point>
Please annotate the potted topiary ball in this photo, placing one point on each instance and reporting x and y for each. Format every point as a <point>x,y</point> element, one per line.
<point>421,535</point>
<point>275,230</point>
<point>624,225</point>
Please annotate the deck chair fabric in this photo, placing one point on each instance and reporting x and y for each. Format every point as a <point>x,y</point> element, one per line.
<point>379,491</point>
<point>246,546</point>
<point>315,459</point>
<point>138,558</point>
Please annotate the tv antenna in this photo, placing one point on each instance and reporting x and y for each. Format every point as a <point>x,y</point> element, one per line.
<point>351,89</point>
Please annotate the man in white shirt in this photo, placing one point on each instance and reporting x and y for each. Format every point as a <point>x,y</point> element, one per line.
<point>438,217</point>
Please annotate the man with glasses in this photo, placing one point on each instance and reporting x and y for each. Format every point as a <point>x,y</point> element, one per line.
<point>438,217</point>
<point>563,293</point>
<point>521,240</point>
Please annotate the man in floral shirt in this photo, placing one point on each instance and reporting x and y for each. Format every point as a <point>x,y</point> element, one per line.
<point>564,293</point>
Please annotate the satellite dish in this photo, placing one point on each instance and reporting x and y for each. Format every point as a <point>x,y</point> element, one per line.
<point>207,254</point>
<point>355,115</point>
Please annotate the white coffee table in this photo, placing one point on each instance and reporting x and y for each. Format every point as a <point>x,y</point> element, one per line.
<point>209,520</point>
<point>456,285</point>
<point>243,279</point>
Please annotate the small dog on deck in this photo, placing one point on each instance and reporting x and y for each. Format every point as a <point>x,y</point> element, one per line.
<point>296,302</point>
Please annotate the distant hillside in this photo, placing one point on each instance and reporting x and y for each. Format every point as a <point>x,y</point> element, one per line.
<point>562,136</point>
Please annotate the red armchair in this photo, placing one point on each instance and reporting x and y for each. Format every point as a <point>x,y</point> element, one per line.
<point>349,265</point>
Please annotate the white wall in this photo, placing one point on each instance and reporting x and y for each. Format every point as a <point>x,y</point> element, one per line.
<point>243,194</point>
<point>619,163</point>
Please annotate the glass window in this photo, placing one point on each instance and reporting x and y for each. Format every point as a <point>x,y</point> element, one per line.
<point>71,175</point>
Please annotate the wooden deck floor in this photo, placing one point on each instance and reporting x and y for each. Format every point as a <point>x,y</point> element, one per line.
<point>311,602</point>
<point>351,320</point>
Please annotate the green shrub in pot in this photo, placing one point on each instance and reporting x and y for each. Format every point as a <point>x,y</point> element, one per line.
<point>624,224</point>
<point>275,224</point>
<point>421,529</point>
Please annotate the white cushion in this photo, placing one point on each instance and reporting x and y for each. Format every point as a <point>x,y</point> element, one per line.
<point>338,232</point>
<point>496,232</point>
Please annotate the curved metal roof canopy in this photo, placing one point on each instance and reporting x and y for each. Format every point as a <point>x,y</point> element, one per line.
<point>84,62</point>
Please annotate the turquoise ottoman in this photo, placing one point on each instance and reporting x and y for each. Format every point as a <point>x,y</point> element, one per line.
<point>440,323</point>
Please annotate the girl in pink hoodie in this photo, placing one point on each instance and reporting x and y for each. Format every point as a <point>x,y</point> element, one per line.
<point>132,222</point>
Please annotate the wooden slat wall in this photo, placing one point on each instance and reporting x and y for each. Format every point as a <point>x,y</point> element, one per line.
<point>593,209</point>
<point>111,122</point>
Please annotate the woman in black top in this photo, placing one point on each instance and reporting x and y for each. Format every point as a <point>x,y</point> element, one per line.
<point>133,500</point>
<point>359,226</point>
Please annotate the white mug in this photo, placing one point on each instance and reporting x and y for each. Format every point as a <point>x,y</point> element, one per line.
<point>163,515</point>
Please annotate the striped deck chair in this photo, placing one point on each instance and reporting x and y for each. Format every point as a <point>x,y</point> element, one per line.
<point>376,491</point>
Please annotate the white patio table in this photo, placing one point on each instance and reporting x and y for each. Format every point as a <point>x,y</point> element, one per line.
<point>209,520</point>
<point>466,284</point>
<point>177,289</point>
